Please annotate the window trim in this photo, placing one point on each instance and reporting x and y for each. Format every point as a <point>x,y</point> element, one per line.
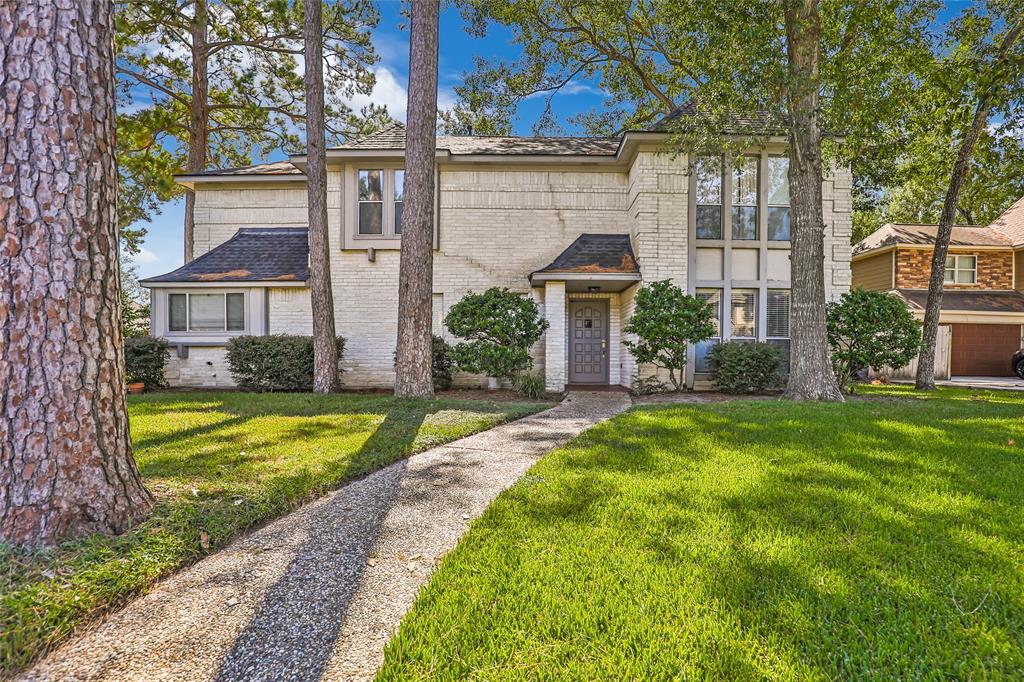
<point>188,331</point>
<point>383,203</point>
<point>732,292</point>
<point>760,195</point>
<point>349,227</point>
<point>956,270</point>
<point>721,198</point>
<point>789,313</point>
<point>769,205</point>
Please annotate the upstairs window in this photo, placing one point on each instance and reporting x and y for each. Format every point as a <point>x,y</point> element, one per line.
<point>206,312</point>
<point>399,199</point>
<point>744,197</point>
<point>371,202</point>
<point>961,270</point>
<point>380,198</point>
<point>708,171</point>
<point>778,198</point>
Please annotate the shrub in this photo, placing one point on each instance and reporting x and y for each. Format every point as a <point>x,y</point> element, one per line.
<point>870,329</point>
<point>499,327</point>
<point>279,362</point>
<point>443,364</point>
<point>531,385</point>
<point>144,360</point>
<point>665,321</point>
<point>648,385</point>
<point>745,367</point>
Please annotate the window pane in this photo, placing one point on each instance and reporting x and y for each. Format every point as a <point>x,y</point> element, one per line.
<point>950,276</point>
<point>399,185</point>
<point>778,180</point>
<point>950,262</point>
<point>778,223</point>
<point>965,276</point>
<point>370,185</point>
<point>713,297</point>
<point>371,218</point>
<point>744,313</point>
<point>398,216</point>
<point>709,222</point>
<point>968,262</point>
<point>701,352</point>
<point>744,181</point>
<point>177,317</point>
<point>744,222</point>
<point>708,170</point>
<point>206,312</point>
<point>778,313</point>
<point>236,312</point>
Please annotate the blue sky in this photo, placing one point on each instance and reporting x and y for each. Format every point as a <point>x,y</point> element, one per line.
<point>163,245</point>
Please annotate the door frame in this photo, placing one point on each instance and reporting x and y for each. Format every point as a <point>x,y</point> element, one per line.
<point>606,362</point>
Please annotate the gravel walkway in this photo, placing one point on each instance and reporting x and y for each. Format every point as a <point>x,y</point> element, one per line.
<point>317,594</point>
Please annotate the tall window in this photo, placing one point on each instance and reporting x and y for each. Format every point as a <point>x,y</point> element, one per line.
<point>778,323</point>
<point>961,270</point>
<point>712,297</point>
<point>206,312</point>
<point>371,202</point>
<point>744,313</point>
<point>708,171</point>
<point>778,198</point>
<point>399,199</point>
<point>744,197</point>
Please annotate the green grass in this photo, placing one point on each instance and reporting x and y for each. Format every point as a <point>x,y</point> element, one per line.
<point>883,538</point>
<point>218,463</point>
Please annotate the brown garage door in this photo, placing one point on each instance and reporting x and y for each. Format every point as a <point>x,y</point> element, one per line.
<point>984,350</point>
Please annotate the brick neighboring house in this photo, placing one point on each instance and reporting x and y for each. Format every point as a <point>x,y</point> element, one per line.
<point>577,223</point>
<point>982,305</point>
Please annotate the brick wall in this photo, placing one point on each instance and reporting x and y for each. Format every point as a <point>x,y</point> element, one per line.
<point>995,269</point>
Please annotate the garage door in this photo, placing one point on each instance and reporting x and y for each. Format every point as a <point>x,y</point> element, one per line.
<point>984,350</point>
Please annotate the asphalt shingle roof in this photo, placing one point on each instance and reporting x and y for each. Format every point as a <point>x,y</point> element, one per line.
<point>596,254</point>
<point>979,301</point>
<point>1011,223</point>
<point>963,235</point>
<point>253,254</point>
<point>276,168</point>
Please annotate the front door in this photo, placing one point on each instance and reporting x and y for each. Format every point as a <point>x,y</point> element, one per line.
<point>588,342</point>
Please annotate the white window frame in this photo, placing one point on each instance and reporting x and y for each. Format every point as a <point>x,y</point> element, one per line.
<point>188,331</point>
<point>789,314</point>
<point>759,198</point>
<point>721,205</point>
<point>757,303</point>
<point>770,206</point>
<point>957,269</point>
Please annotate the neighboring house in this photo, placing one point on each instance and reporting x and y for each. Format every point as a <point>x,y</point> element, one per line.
<point>982,304</point>
<point>577,223</point>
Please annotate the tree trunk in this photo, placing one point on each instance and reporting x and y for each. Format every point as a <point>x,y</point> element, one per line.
<point>924,380</point>
<point>198,117</point>
<point>67,467</point>
<point>325,350</point>
<point>810,376</point>
<point>416,274</point>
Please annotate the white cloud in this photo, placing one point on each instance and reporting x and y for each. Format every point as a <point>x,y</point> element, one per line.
<point>388,90</point>
<point>446,98</point>
<point>146,256</point>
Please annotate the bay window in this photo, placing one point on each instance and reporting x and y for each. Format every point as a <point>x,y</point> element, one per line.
<point>220,312</point>
<point>961,270</point>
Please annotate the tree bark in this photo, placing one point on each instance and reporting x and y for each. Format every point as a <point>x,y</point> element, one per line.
<point>67,467</point>
<point>810,376</point>
<point>924,380</point>
<point>416,274</point>
<point>325,350</point>
<point>198,116</point>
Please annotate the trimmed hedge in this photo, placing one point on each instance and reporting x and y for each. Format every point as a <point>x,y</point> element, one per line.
<point>144,360</point>
<point>745,366</point>
<point>279,362</point>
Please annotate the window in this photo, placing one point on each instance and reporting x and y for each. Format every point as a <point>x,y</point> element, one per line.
<point>371,202</point>
<point>206,312</point>
<point>778,313</point>
<point>399,199</point>
<point>961,269</point>
<point>744,313</point>
<point>744,197</point>
<point>708,171</point>
<point>712,297</point>
<point>778,198</point>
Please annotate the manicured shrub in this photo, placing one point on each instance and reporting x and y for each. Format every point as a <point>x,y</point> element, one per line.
<point>531,385</point>
<point>665,320</point>
<point>144,360</point>
<point>498,328</point>
<point>745,366</point>
<point>870,329</point>
<point>279,362</point>
<point>443,363</point>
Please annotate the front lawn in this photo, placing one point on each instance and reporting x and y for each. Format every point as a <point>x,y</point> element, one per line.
<point>883,538</point>
<point>219,463</point>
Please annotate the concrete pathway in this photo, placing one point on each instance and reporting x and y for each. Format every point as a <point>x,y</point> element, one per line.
<point>316,594</point>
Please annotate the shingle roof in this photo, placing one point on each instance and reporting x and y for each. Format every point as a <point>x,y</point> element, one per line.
<point>963,235</point>
<point>253,254</point>
<point>596,254</point>
<point>1011,223</point>
<point>977,301</point>
<point>276,168</point>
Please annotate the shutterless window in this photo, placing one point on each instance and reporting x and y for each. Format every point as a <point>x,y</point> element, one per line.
<point>206,312</point>
<point>778,314</point>
<point>708,174</point>
<point>371,202</point>
<point>744,197</point>
<point>961,269</point>
<point>744,313</point>
<point>399,199</point>
<point>778,198</point>
<point>712,297</point>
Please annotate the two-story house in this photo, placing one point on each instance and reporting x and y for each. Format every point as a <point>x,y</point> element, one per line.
<point>982,305</point>
<point>579,224</point>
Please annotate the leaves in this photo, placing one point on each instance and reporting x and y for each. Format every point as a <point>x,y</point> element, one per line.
<point>499,327</point>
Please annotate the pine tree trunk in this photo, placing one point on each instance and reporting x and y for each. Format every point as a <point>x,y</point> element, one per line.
<point>810,376</point>
<point>66,465</point>
<point>325,350</point>
<point>415,287</point>
<point>198,117</point>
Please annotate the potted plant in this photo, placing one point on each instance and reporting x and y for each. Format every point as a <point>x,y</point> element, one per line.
<point>136,386</point>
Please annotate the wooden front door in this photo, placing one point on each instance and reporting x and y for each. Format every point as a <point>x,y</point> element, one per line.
<point>588,342</point>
